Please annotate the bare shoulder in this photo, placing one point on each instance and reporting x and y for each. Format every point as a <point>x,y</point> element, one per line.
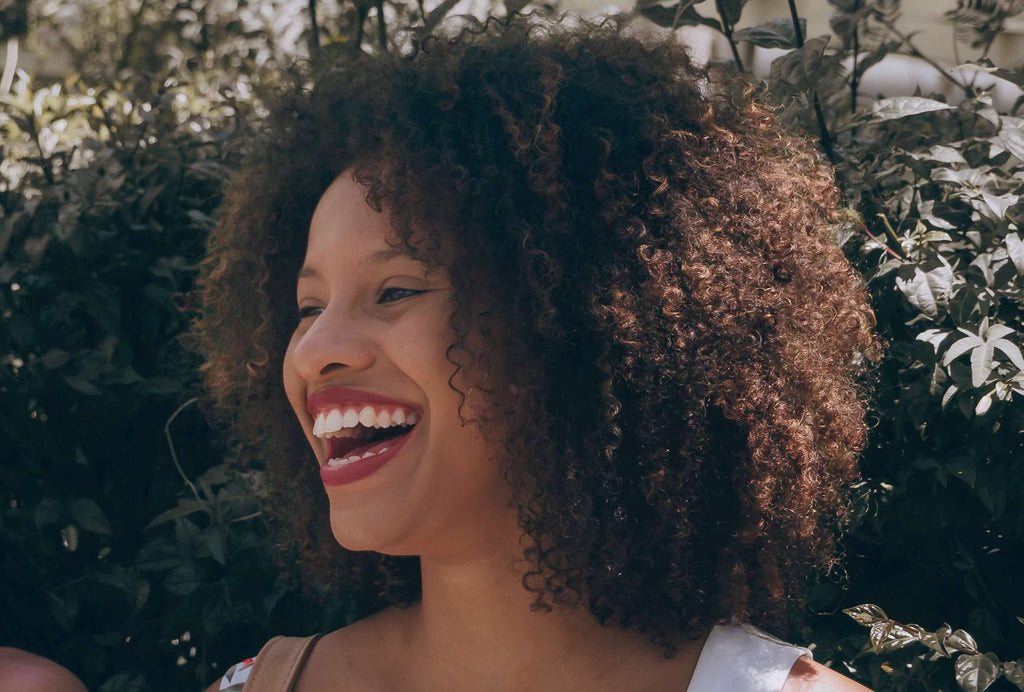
<point>361,651</point>
<point>809,676</point>
<point>21,670</point>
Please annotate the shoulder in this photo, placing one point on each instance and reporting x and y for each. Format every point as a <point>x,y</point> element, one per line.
<point>20,670</point>
<point>342,654</point>
<point>742,657</point>
<point>810,676</point>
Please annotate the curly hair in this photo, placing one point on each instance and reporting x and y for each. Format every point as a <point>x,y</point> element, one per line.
<point>649,260</point>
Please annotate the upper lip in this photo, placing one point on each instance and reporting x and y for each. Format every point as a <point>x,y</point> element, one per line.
<point>333,397</point>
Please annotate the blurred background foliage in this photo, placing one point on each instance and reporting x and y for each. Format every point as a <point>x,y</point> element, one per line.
<point>133,556</point>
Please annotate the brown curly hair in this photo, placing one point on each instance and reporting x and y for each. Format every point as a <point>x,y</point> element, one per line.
<point>639,250</point>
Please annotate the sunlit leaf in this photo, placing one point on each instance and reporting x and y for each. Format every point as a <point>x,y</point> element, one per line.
<point>866,614</point>
<point>905,106</point>
<point>975,673</point>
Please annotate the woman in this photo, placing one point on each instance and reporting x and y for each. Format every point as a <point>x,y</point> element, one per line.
<point>545,326</point>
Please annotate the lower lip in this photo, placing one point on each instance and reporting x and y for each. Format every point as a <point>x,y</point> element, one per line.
<point>342,475</point>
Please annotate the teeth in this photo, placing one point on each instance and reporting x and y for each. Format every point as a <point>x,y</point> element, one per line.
<point>351,418</point>
<point>367,417</point>
<point>359,421</point>
<point>335,463</point>
<point>333,422</point>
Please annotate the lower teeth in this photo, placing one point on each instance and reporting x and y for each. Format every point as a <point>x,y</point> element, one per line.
<point>335,463</point>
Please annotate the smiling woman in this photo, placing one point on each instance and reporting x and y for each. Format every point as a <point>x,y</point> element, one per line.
<point>545,346</point>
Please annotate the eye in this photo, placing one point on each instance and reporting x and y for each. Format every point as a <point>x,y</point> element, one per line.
<point>309,311</point>
<point>388,291</point>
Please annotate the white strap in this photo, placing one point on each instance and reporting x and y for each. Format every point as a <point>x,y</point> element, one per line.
<point>742,658</point>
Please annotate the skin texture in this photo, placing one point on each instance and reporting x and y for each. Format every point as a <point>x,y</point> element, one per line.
<point>25,672</point>
<point>356,333</point>
<point>639,355</point>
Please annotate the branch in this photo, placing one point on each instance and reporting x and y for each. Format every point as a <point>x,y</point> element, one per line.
<point>382,30</point>
<point>854,80</point>
<point>727,30</point>
<point>918,54</point>
<point>314,32</point>
<point>819,115</point>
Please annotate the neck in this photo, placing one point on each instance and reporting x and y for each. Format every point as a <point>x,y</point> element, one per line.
<point>474,623</point>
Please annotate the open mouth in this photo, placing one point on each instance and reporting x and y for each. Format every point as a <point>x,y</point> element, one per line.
<point>363,440</point>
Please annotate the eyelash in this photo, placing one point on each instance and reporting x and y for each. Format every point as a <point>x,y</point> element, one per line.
<point>309,310</point>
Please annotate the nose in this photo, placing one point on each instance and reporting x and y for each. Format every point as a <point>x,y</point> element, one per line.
<point>332,342</point>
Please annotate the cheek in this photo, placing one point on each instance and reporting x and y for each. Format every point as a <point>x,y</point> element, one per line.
<point>294,387</point>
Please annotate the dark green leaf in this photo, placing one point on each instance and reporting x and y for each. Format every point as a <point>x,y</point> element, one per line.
<point>778,33</point>
<point>183,580</point>
<point>53,359</point>
<point>672,17</point>
<point>183,508</point>
<point>82,385</point>
<point>731,10</point>
<point>47,512</point>
<point>88,515</point>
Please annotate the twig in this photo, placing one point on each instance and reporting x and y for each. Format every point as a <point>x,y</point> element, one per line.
<point>314,32</point>
<point>918,54</point>
<point>170,444</point>
<point>854,77</point>
<point>819,114</point>
<point>357,44</point>
<point>382,30</point>
<point>727,30</point>
<point>10,66</point>
<point>884,244</point>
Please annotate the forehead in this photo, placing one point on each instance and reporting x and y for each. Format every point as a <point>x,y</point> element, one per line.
<point>343,216</point>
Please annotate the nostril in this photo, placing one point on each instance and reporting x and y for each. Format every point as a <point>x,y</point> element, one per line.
<point>331,367</point>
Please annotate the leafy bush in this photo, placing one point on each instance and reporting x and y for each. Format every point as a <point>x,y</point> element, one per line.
<point>108,187</point>
<point>134,557</point>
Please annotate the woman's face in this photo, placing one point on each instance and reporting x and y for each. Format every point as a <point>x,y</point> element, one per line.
<point>377,322</point>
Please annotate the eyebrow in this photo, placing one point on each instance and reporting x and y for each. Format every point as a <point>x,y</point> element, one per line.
<point>378,257</point>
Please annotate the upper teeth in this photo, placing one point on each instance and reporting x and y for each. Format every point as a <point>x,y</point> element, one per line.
<point>328,422</point>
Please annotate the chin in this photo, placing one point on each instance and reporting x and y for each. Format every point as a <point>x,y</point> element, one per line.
<point>358,536</point>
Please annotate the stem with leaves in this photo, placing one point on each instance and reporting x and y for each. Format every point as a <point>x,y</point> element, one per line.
<point>727,30</point>
<point>819,114</point>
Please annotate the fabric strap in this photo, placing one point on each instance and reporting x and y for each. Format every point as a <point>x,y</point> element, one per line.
<point>279,664</point>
